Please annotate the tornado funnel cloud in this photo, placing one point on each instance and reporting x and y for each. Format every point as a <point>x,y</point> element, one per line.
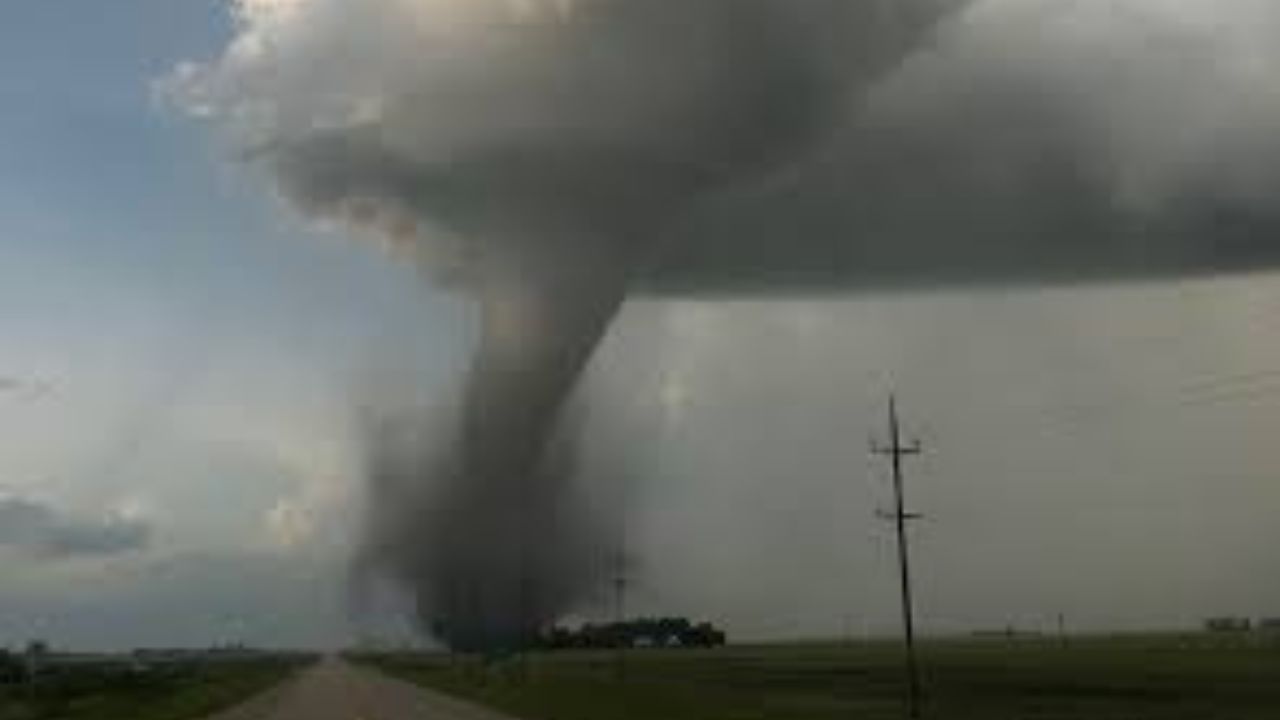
<point>538,332</point>
<point>535,156</point>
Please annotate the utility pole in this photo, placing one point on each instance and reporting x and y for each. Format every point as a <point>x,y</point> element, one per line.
<point>896,451</point>
<point>451,623</point>
<point>528,629</point>
<point>620,609</point>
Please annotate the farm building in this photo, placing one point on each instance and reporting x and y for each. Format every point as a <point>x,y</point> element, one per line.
<point>1228,625</point>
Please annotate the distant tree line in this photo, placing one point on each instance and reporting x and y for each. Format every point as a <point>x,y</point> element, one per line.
<point>641,632</point>
<point>12,668</point>
<point>1241,624</point>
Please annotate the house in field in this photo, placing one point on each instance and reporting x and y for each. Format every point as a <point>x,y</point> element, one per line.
<point>1228,625</point>
<point>671,632</point>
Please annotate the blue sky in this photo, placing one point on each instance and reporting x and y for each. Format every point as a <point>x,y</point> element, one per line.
<point>159,295</point>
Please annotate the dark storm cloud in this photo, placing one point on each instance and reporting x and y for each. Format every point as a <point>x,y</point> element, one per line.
<point>612,117</point>
<point>23,388</point>
<point>33,527</point>
<point>536,153</point>
<point>1035,142</point>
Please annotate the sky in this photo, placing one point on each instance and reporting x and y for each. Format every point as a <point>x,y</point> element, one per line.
<point>185,362</point>
<point>179,353</point>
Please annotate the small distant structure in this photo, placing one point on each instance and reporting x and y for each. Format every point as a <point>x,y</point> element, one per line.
<point>157,657</point>
<point>643,632</point>
<point>1270,625</point>
<point>1223,625</point>
<point>1007,633</point>
<point>13,669</point>
<point>35,656</point>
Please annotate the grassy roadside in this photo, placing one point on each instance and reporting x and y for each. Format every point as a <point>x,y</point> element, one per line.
<point>182,692</point>
<point>1147,678</point>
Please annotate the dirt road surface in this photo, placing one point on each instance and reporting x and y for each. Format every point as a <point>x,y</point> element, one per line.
<point>337,690</point>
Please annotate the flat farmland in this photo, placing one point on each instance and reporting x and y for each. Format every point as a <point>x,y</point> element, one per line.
<point>116,691</point>
<point>1154,677</point>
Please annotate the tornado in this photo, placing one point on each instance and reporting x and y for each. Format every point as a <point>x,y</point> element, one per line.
<point>547,159</point>
<point>532,155</point>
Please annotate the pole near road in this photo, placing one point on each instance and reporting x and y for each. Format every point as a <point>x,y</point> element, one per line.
<point>896,451</point>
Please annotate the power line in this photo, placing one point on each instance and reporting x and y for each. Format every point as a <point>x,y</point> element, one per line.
<point>896,451</point>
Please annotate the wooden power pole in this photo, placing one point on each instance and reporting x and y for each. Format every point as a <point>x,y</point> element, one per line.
<point>620,610</point>
<point>896,450</point>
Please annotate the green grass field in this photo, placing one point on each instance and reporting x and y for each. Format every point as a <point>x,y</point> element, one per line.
<point>187,692</point>
<point>1135,678</point>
